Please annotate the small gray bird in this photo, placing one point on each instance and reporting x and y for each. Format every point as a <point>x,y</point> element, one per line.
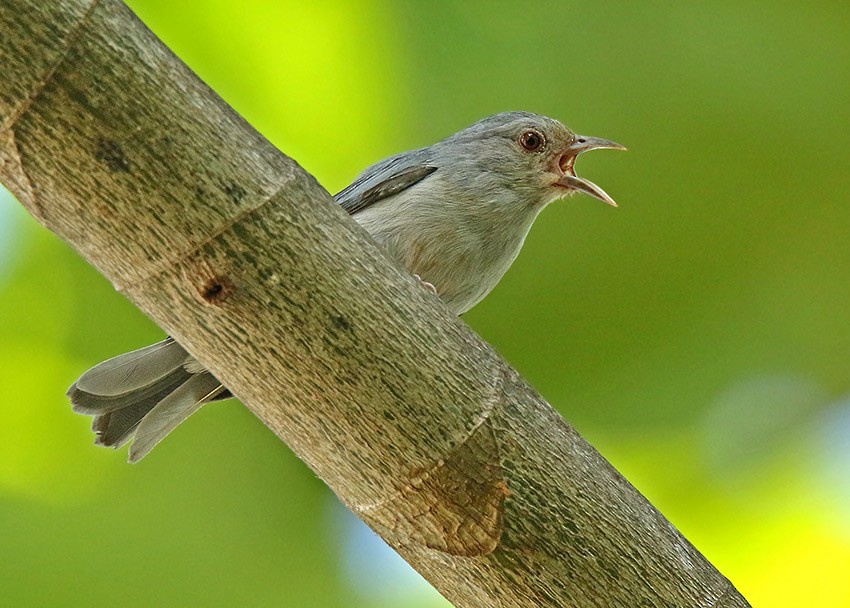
<point>455,214</point>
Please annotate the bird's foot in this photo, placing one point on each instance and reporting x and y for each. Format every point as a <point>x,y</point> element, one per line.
<point>429,286</point>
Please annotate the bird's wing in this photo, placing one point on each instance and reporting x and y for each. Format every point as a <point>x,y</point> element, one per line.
<point>384,179</point>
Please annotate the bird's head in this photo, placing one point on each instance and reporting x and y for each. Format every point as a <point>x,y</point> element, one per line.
<point>529,154</point>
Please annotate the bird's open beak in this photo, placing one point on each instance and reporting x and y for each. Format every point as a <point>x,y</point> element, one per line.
<point>570,180</point>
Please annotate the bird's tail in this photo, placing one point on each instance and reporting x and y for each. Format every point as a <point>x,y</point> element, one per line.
<point>146,392</point>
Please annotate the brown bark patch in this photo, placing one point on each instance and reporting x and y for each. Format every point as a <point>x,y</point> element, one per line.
<point>456,506</point>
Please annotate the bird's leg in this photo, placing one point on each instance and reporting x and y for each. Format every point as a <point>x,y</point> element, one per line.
<point>429,286</point>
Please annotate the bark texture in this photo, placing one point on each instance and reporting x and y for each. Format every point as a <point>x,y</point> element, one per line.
<point>419,427</point>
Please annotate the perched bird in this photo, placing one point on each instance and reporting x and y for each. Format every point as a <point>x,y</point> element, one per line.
<point>455,214</point>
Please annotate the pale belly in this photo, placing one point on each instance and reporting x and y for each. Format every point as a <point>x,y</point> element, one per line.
<point>464,260</point>
<point>462,276</point>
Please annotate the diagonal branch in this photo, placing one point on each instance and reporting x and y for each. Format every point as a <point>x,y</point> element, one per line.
<point>61,52</point>
<point>493,497</point>
<point>227,224</point>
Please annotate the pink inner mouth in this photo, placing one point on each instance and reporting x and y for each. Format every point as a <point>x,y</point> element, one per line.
<point>572,183</point>
<point>566,164</point>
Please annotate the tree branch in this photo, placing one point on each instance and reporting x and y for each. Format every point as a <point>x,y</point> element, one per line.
<point>112,143</point>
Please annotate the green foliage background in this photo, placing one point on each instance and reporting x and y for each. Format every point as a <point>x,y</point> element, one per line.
<point>699,335</point>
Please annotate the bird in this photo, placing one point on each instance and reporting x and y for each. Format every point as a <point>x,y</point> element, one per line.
<point>455,214</point>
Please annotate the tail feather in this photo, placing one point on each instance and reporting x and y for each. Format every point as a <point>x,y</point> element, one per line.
<point>172,410</point>
<point>147,392</point>
<point>116,425</point>
<point>135,370</point>
<point>94,404</point>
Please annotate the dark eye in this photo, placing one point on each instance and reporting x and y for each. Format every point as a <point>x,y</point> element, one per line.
<point>532,140</point>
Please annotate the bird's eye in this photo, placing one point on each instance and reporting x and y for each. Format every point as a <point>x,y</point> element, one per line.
<point>532,140</point>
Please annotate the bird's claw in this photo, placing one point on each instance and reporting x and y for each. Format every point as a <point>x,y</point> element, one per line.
<point>429,286</point>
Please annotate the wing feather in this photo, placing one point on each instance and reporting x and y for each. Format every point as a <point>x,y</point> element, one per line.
<point>388,177</point>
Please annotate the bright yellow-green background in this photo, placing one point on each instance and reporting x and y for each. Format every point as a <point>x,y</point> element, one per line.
<point>699,335</point>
